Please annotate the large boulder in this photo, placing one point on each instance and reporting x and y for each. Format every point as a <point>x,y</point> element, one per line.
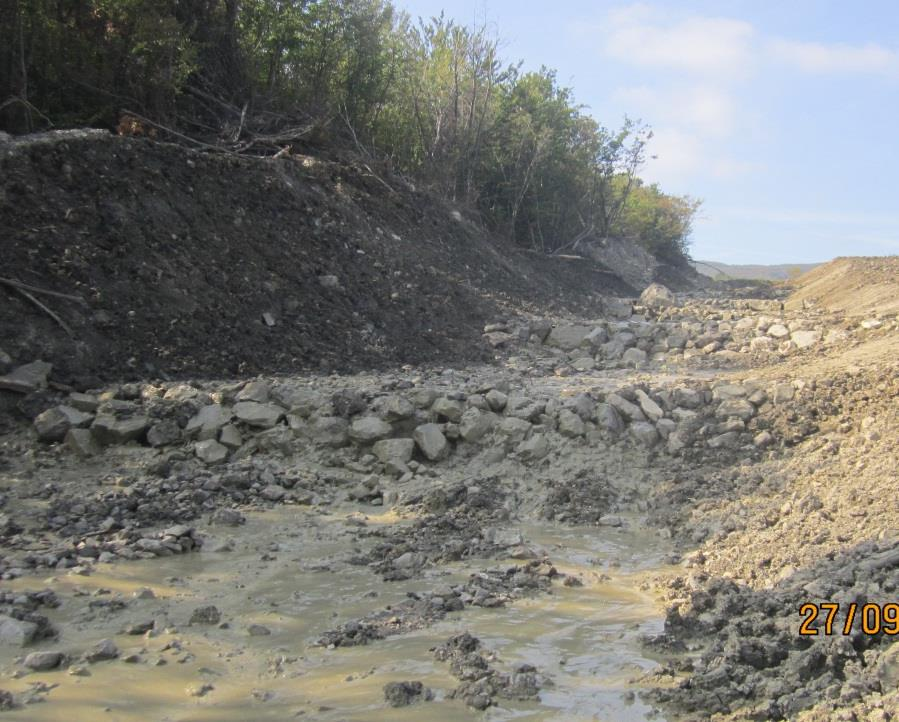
<point>28,378</point>
<point>656,295</point>
<point>207,422</point>
<point>252,413</point>
<point>330,431</point>
<point>369,429</point>
<point>568,337</point>
<point>53,424</point>
<point>431,441</point>
<point>475,424</point>
<point>111,429</point>
<point>15,632</point>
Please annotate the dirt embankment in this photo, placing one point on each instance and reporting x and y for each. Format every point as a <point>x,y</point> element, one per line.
<point>856,286</point>
<point>213,264</point>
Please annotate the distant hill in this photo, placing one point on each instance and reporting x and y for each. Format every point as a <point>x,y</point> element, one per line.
<point>780,272</point>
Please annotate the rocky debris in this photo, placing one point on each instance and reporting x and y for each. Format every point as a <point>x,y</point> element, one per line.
<point>28,378</point>
<point>480,682</point>
<point>43,661</point>
<point>102,651</point>
<point>209,614</point>
<point>402,694</point>
<point>490,588</point>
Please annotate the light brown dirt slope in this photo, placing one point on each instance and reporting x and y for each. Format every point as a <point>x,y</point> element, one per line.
<point>855,286</point>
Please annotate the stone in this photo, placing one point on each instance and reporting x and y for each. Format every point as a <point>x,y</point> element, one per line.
<point>631,411</point>
<point>676,340</point>
<point>369,429</point>
<point>656,295</point>
<point>330,431</point>
<point>761,343</point>
<point>763,440</point>
<point>209,614</point>
<point>16,633</point>
<point>43,661</point>
<point>804,339</point>
<point>258,630</point>
<point>53,424</point>
<point>211,451</point>
<point>497,400</point>
<point>583,364</point>
<point>649,407</point>
<point>329,281</point>
<point>82,443</point>
<point>676,442</point>
<point>783,393</point>
<point>431,441</point>
<point>570,424</point>
<point>778,331</point>
<point>522,407</point>
<point>727,440</point>
<point>608,419</point>
<point>583,405</point>
<point>207,421</point>
<point>84,402</point>
<point>258,391</point>
<point>514,430</point>
<point>103,650</point>
<point>394,451</point>
<point>870,324</point>
<point>740,408</point>
<point>253,413</point>
<point>888,667</point>
<point>395,408</point>
<point>402,694</point>
<point>28,378</point>
<point>533,449</point>
<point>268,319</point>
<point>688,398</point>
<point>448,409</point>
<point>498,339</point>
<point>230,436</point>
<point>729,391</point>
<point>475,424</point>
<point>634,357</point>
<point>567,337</point>
<point>597,337</point>
<point>164,433</point>
<point>645,433</point>
<point>109,429</point>
<point>278,439</point>
<point>616,308</point>
<point>348,402</point>
<point>273,492</point>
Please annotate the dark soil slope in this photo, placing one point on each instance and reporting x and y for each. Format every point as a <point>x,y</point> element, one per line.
<point>179,256</point>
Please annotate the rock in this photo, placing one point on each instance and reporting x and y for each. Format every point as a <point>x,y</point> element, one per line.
<point>665,427</point>
<point>258,391</point>
<point>16,633</point>
<point>103,650</point>
<point>871,324</point>
<point>53,424</point>
<point>329,281</point>
<point>28,378</point>
<point>727,440</point>
<point>804,339</point>
<point>631,411</point>
<point>607,418</point>
<point>402,694</point>
<point>82,443</point>
<point>540,329</point>
<point>657,296</point>
<point>522,407</point>
<point>740,408</point>
<point>109,429</point>
<point>649,407</point>
<point>534,448</point>
<point>498,339</point>
<point>253,413</point>
<point>634,357</point>
<point>583,364</point>
<point>783,393</point>
<point>258,630</point>
<point>761,343</point>
<point>763,440</point>
<point>43,661</point>
<point>431,441</point>
<point>728,391</point>
<point>395,408</point>
<point>230,436</point>
<point>369,429</point>
<point>567,337</point>
<point>273,492</point>
<point>583,405</point>
<point>645,433</point>
<point>688,398</point>
<point>164,433</point>
<point>394,451</point>
<point>497,400</point>
<point>209,614</point>
<point>474,425</point>
<point>778,331</point>
<point>616,308</point>
<point>330,431</point>
<point>228,517</point>
<point>597,337</point>
<point>84,402</point>
<point>348,402</point>
<point>513,430</point>
<point>570,424</point>
<point>448,410</point>
<point>206,423</point>
<point>888,667</point>
<point>211,451</point>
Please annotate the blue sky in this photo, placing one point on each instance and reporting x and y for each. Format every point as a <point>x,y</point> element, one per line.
<point>781,116</point>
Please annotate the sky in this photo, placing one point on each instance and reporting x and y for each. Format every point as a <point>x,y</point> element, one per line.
<point>782,117</point>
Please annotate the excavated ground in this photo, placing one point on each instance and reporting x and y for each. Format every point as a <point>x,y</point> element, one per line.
<point>566,505</point>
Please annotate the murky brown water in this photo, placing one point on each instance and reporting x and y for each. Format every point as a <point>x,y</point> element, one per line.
<point>584,638</point>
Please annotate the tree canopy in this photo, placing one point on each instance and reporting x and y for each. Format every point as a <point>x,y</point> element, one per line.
<point>430,98</point>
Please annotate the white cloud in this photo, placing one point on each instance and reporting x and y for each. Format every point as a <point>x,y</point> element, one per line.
<point>835,57</point>
<point>639,35</point>
<point>705,108</point>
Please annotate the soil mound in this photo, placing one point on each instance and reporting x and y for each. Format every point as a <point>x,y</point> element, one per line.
<point>218,265</point>
<point>855,286</point>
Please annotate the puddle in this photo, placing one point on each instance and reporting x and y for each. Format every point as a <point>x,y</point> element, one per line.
<point>585,639</point>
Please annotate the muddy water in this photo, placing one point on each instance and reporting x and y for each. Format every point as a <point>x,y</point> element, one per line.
<point>585,639</point>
